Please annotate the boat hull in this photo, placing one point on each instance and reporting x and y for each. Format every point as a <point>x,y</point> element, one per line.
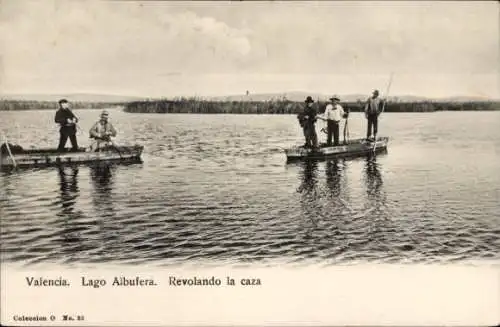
<point>357,147</point>
<point>50,157</point>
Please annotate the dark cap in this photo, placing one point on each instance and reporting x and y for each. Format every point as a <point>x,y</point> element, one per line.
<point>63,101</point>
<point>309,99</point>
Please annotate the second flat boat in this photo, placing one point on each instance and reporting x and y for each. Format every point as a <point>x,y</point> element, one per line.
<point>357,147</point>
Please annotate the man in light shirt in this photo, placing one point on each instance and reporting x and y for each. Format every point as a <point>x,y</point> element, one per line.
<point>333,115</point>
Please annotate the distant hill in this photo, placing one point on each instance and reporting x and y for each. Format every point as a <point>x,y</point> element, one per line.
<point>74,97</point>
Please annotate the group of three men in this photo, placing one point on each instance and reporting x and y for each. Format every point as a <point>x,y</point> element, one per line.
<point>333,115</point>
<point>101,131</point>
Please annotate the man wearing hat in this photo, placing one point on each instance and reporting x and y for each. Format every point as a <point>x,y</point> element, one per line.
<point>333,114</point>
<point>373,108</point>
<point>307,119</point>
<point>102,131</point>
<point>67,120</point>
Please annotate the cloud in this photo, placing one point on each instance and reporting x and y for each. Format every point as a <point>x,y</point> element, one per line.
<point>105,37</point>
<point>163,47</point>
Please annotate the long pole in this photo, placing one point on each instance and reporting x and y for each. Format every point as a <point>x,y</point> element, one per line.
<point>10,153</point>
<point>383,103</point>
<point>346,130</point>
<point>387,92</point>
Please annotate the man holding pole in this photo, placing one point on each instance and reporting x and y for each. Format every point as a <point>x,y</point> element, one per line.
<point>373,108</point>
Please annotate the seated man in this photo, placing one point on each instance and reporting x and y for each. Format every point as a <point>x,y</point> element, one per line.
<point>102,131</point>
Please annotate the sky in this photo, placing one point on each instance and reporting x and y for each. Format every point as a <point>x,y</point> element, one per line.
<point>159,48</point>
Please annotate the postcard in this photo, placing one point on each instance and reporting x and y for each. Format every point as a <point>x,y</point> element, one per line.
<point>249,163</point>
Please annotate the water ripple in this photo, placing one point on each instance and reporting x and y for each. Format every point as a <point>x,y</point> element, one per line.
<point>216,188</point>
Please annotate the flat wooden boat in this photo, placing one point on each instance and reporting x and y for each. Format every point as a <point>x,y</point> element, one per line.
<point>357,147</point>
<point>51,157</point>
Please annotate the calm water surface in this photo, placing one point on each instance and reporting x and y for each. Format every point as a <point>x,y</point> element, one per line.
<point>217,188</point>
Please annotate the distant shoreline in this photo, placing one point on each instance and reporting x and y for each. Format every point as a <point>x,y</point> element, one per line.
<point>293,107</point>
<point>194,106</point>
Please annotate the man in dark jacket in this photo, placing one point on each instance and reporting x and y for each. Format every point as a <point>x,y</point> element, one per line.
<point>373,108</point>
<point>67,120</point>
<point>307,120</point>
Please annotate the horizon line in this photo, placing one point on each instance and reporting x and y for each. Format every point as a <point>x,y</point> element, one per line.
<point>282,93</point>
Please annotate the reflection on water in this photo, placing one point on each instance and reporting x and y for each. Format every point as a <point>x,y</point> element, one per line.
<point>68,187</point>
<point>102,195</point>
<point>375,206</point>
<point>322,195</point>
<point>373,177</point>
<point>374,185</point>
<point>68,196</point>
<point>334,169</point>
<point>309,193</point>
<point>309,177</point>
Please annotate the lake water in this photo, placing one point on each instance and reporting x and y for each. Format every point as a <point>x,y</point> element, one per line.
<point>217,188</point>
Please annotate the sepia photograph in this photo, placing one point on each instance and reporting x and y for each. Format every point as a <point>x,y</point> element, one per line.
<point>166,153</point>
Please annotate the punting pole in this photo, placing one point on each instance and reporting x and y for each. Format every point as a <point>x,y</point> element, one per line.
<point>387,92</point>
<point>116,148</point>
<point>10,153</point>
<point>383,104</point>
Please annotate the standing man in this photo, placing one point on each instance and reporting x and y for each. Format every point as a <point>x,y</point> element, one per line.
<point>333,114</point>
<point>373,108</point>
<point>67,120</point>
<point>307,120</point>
<point>102,131</point>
